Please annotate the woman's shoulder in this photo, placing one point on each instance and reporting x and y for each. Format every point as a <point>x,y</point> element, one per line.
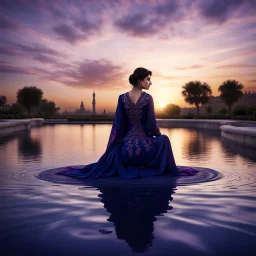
<point>121,96</point>
<point>148,96</point>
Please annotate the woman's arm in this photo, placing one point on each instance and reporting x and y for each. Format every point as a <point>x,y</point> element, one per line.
<point>152,126</point>
<point>118,127</point>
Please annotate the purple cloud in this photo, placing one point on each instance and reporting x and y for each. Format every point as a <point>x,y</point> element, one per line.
<point>95,74</point>
<point>190,67</point>
<point>7,68</point>
<point>166,9</point>
<point>87,26</point>
<point>36,49</point>
<point>21,49</point>
<point>137,25</point>
<point>67,33</point>
<point>146,20</point>
<point>80,30</point>
<point>100,74</point>
<point>69,20</point>
<point>45,59</point>
<point>37,52</point>
<point>76,21</point>
<point>218,11</point>
<point>150,19</point>
<point>7,23</point>
<point>6,50</point>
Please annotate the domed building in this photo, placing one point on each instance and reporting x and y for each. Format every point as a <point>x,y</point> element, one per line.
<point>82,111</point>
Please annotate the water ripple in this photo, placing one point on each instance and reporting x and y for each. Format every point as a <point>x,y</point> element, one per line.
<point>208,218</point>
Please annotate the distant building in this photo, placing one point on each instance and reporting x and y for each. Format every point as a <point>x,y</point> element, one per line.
<point>82,111</point>
<point>185,111</point>
<point>216,104</point>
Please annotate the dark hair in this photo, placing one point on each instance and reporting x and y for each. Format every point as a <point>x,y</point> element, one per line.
<point>139,74</point>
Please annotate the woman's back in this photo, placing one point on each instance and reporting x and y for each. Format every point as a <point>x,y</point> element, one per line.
<point>139,145</point>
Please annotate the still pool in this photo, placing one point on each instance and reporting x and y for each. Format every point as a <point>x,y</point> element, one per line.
<point>43,218</point>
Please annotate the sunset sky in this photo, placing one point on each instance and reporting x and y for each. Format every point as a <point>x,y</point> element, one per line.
<point>71,48</point>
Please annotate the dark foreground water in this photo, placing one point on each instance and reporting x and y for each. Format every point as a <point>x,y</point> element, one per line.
<point>42,218</point>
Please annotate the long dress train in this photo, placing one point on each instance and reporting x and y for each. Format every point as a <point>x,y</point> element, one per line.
<point>136,147</point>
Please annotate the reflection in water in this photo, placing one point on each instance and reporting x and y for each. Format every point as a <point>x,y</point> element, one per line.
<point>82,133</point>
<point>133,212</point>
<point>93,138</point>
<point>233,148</point>
<point>196,143</point>
<point>7,139</point>
<point>42,218</point>
<point>29,148</point>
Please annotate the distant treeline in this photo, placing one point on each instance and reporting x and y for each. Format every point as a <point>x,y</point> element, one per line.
<point>30,103</point>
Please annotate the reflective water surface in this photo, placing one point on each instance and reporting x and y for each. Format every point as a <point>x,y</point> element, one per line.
<point>42,218</point>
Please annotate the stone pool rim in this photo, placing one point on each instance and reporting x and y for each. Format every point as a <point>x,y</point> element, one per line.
<point>11,126</point>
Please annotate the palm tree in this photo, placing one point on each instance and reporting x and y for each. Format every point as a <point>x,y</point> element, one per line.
<point>196,93</point>
<point>230,92</point>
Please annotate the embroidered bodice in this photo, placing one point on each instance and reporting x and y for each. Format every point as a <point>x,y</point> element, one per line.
<point>136,123</point>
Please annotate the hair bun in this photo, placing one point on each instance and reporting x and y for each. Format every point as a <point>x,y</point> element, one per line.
<point>139,74</point>
<point>132,79</point>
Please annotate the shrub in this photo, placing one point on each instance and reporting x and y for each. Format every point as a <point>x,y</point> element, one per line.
<point>222,111</point>
<point>240,111</point>
<point>171,110</point>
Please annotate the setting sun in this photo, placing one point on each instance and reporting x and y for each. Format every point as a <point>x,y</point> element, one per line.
<point>162,104</point>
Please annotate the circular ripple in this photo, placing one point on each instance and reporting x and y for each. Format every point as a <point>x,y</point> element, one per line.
<point>203,175</point>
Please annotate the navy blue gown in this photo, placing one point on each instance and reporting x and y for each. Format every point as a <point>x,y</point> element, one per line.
<point>135,148</point>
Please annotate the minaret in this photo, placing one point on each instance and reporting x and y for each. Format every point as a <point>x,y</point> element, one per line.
<point>93,104</point>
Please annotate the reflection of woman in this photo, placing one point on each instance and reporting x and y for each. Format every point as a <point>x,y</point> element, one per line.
<point>136,147</point>
<point>133,212</point>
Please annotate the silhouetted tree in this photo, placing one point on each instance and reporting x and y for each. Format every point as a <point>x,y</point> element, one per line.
<point>209,110</point>
<point>2,102</point>
<point>230,92</point>
<point>48,108</point>
<point>222,111</point>
<point>196,93</point>
<point>251,110</point>
<point>172,110</point>
<point>240,110</point>
<point>29,97</point>
<point>16,109</point>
